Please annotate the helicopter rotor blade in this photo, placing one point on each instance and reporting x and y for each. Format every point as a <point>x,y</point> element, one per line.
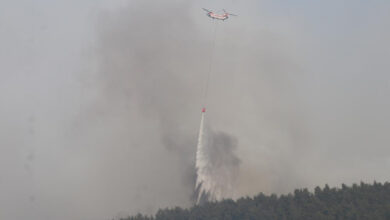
<point>206,10</point>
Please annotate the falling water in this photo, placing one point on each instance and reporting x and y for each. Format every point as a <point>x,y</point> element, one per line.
<point>216,164</point>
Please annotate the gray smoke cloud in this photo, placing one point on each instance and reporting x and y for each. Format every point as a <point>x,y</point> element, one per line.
<point>100,103</point>
<point>224,161</point>
<point>143,64</point>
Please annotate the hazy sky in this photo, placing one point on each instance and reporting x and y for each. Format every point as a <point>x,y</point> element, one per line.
<point>100,100</point>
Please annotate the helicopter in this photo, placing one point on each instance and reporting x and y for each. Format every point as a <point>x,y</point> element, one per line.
<point>217,16</point>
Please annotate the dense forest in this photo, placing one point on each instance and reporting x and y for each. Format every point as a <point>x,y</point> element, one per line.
<point>363,201</point>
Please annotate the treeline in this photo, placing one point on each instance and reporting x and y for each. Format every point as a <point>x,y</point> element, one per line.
<point>364,201</point>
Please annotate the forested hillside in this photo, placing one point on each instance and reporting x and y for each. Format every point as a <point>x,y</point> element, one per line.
<point>364,201</point>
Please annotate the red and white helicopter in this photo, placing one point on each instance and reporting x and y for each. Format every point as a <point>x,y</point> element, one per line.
<point>222,17</point>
